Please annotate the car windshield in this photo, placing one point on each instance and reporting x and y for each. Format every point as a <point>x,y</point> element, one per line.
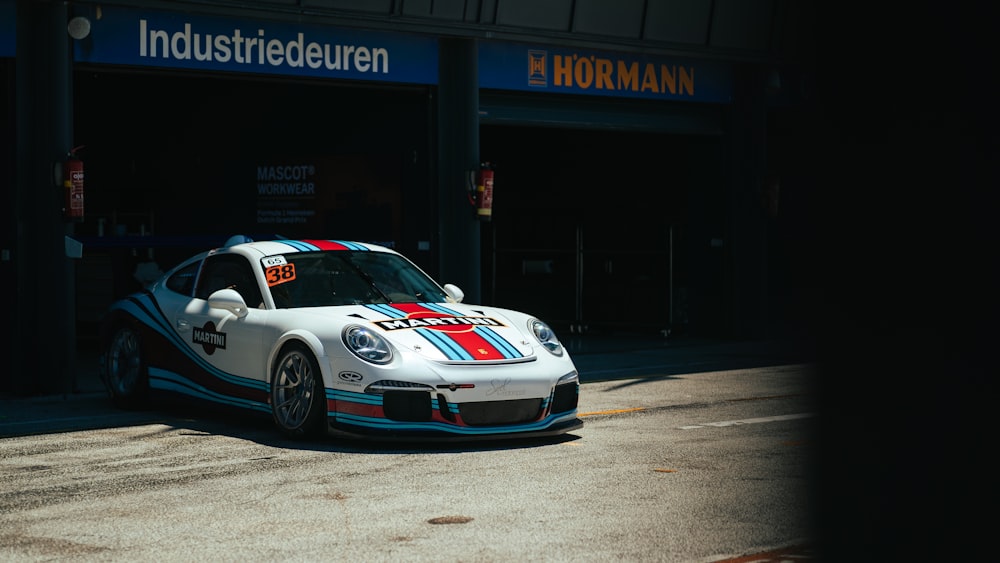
<point>341,277</point>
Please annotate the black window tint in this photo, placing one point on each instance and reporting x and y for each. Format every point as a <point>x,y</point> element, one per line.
<point>397,278</point>
<point>182,281</point>
<point>229,271</point>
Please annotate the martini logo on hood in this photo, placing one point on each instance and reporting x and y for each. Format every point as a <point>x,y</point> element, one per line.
<point>459,337</point>
<point>446,323</point>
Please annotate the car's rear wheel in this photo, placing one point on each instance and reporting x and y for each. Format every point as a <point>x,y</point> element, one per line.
<point>298,398</point>
<point>124,368</point>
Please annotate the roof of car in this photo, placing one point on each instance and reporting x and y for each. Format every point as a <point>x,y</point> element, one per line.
<point>287,246</point>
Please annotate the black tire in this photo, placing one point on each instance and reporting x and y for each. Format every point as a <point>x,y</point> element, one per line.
<point>298,398</point>
<point>125,368</point>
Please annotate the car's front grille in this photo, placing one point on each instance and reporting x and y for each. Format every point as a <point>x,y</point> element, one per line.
<point>566,397</point>
<point>417,406</point>
<point>410,406</point>
<point>500,412</point>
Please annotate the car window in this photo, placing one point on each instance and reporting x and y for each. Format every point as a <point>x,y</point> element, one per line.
<point>182,281</point>
<point>397,278</point>
<point>349,278</point>
<point>322,279</point>
<point>229,271</point>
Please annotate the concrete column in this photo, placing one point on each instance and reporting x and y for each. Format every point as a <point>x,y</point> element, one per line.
<point>45,330</point>
<point>748,150</point>
<point>459,252</point>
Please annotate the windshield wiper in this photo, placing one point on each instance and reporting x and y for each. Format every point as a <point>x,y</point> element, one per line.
<point>365,276</point>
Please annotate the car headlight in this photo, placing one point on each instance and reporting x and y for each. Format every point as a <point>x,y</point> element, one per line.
<point>367,345</point>
<point>571,377</point>
<point>545,336</point>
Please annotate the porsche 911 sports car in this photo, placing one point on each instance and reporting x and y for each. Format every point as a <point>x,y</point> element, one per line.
<point>337,338</point>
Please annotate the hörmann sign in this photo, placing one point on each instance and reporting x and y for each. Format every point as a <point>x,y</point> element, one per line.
<point>124,36</point>
<point>560,70</point>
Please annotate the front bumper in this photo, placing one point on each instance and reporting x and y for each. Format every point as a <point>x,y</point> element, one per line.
<point>354,432</point>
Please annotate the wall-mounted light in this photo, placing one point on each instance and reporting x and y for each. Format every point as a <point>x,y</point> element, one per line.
<point>78,27</point>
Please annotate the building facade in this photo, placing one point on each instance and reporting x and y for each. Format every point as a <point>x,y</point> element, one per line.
<point>638,150</point>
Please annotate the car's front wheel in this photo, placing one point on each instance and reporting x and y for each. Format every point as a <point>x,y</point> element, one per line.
<point>298,398</point>
<point>124,368</point>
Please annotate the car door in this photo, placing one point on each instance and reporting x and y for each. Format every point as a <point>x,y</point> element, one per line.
<point>232,344</point>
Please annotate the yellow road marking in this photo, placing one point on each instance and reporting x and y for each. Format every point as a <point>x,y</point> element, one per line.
<point>613,411</point>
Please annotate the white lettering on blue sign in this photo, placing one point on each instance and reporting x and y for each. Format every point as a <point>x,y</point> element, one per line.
<point>188,44</point>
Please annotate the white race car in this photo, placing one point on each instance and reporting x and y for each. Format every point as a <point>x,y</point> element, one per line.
<point>337,338</point>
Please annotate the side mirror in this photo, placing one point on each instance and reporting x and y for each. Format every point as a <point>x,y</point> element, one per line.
<point>230,300</point>
<point>455,294</point>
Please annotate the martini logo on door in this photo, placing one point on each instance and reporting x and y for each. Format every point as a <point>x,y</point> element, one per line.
<point>209,338</point>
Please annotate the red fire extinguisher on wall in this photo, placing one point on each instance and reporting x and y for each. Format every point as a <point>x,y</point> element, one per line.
<point>72,179</point>
<point>484,192</point>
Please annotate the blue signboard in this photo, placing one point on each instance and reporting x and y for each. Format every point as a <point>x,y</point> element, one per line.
<point>123,36</point>
<point>559,70</point>
<point>8,37</point>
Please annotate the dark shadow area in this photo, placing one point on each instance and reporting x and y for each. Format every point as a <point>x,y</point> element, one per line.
<point>908,327</point>
<point>182,414</point>
<point>632,356</point>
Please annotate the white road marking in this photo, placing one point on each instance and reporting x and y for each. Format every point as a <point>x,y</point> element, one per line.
<point>748,421</point>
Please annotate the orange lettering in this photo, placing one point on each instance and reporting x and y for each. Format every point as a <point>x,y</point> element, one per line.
<point>603,77</point>
<point>562,73</point>
<point>628,76</point>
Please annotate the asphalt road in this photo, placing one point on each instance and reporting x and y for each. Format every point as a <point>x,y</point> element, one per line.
<point>693,466</point>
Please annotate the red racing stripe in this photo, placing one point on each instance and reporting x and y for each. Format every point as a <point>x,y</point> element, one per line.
<point>463,335</point>
<point>357,409</point>
<point>476,345</point>
<point>326,244</point>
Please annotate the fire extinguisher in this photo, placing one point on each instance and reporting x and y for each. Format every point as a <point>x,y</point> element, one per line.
<point>72,176</point>
<point>484,192</point>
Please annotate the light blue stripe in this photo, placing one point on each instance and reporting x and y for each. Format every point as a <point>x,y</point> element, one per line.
<point>350,245</point>
<point>360,398</point>
<point>169,381</point>
<point>299,245</point>
<point>485,331</point>
<point>441,309</point>
<point>384,424</point>
<point>386,310</point>
<point>498,342</point>
<point>161,325</point>
<point>363,398</point>
<point>444,343</point>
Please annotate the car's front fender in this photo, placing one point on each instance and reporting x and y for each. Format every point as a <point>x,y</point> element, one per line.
<point>313,342</point>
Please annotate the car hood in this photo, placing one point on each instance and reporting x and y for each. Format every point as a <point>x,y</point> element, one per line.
<point>449,332</point>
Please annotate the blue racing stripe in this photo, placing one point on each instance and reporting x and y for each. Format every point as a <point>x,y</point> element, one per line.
<point>348,396</point>
<point>441,309</point>
<point>443,342</point>
<point>363,398</point>
<point>304,246</point>
<point>170,381</point>
<point>486,332</point>
<point>350,245</point>
<point>498,342</point>
<point>144,308</point>
<point>299,245</point>
<point>384,424</point>
<point>387,310</point>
